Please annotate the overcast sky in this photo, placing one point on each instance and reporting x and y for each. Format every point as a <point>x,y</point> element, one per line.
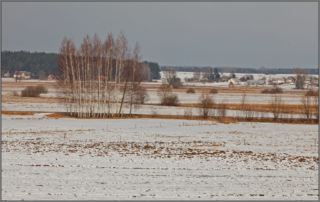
<point>243,34</point>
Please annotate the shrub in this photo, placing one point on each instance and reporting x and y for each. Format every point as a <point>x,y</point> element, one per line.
<point>213,91</point>
<point>206,103</point>
<point>312,93</point>
<point>276,90</point>
<point>265,91</point>
<point>190,90</point>
<point>272,91</point>
<point>41,89</point>
<point>177,83</point>
<point>140,95</point>
<point>172,100</point>
<point>166,96</point>
<point>33,91</point>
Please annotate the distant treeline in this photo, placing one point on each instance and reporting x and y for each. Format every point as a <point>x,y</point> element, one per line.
<point>154,69</point>
<point>26,61</point>
<point>239,70</point>
<point>36,61</point>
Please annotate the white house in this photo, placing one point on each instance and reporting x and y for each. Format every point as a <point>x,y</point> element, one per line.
<point>234,81</point>
<point>278,81</point>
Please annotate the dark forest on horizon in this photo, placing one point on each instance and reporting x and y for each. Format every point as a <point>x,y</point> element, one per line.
<point>34,62</point>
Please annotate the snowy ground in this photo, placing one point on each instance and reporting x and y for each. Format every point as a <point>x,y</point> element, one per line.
<point>143,109</point>
<point>182,75</point>
<point>251,98</point>
<point>234,98</point>
<point>11,79</point>
<point>74,159</point>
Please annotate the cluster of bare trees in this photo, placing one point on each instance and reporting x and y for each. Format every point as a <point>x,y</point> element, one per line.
<point>97,78</point>
<point>171,78</point>
<point>301,77</point>
<point>205,74</point>
<point>309,111</point>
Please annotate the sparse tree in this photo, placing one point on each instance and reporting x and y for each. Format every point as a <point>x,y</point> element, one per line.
<point>276,105</point>
<point>232,74</point>
<point>206,103</point>
<point>306,102</point>
<point>263,70</point>
<point>164,92</point>
<point>222,110</point>
<point>196,74</point>
<point>315,101</point>
<point>301,76</point>
<point>216,73</point>
<point>169,75</point>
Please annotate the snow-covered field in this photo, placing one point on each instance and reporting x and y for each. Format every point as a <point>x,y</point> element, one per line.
<point>143,109</point>
<point>74,159</point>
<point>182,75</point>
<point>234,98</point>
<point>184,97</point>
<point>27,80</point>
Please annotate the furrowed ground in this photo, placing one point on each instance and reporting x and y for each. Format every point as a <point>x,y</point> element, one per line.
<point>65,158</point>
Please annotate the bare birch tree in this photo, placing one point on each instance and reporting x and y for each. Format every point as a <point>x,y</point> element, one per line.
<point>276,105</point>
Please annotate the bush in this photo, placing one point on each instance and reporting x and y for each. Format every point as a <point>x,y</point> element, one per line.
<point>272,91</point>
<point>33,91</point>
<point>276,90</point>
<point>190,90</point>
<point>140,95</point>
<point>177,83</point>
<point>206,103</point>
<point>312,93</point>
<point>213,91</point>
<point>15,93</point>
<point>172,100</point>
<point>166,96</point>
<point>41,89</point>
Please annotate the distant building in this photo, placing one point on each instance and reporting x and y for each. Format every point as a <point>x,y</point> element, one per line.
<point>256,82</point>
<point>19,75</point>
<point>22,75</point>
<point>234,81</point>
<point>51,77</point>
<point>290,79</point>
<point>224,78</point>
<point>6,74</point>
<point>278,81</point>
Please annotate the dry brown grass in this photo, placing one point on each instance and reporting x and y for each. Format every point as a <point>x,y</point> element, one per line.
<point>294,109</point>
<point>226,120</point>
<point>31,83</point>
<point>17,113</point>
<point>242,89</point>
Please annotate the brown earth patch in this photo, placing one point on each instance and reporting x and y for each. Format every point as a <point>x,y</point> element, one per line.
<point>226,120</point>
<point>17,113</point>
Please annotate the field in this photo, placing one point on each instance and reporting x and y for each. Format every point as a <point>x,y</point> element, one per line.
<point>45,158</point>
<point>50,156</point>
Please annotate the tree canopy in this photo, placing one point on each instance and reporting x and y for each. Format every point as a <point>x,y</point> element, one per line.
<point>155,69</point>
<point>26,61</point>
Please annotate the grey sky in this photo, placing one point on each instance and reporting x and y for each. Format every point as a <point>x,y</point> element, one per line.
<point>243,34</point>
